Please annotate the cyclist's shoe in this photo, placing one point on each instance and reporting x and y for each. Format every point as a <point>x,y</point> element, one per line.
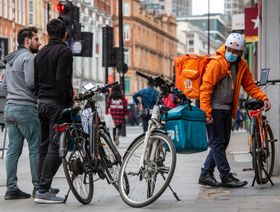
<point>52,190</point>
<point>232,175</point>
<point>208,180</point>
<point>17,194</point>
<point>230,181</point>
<point>47,198</point>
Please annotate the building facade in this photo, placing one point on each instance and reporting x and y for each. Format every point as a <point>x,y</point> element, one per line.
<point>94,14</point>
<point>178,8</point>
<point>193,40</point>
<point>269,57</point>
<point>149,43</point>
<point>217,25</point>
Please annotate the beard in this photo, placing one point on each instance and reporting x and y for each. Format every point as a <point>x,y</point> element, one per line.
<point>34,50</point>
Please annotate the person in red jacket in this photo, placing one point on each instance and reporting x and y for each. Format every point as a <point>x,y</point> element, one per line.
<point>117,107</point>
<point>219,96</point>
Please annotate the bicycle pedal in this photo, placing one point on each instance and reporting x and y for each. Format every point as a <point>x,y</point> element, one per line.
<point>248,169</point>
<point>272,140</point>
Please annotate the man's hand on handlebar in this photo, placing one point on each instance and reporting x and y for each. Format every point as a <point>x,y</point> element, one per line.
<point>267,105</point>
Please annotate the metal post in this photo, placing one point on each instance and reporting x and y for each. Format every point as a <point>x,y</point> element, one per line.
<point>208,27</point>
<point>121,56</point>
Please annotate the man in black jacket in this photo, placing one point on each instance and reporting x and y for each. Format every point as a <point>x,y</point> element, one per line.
<point>53,85</point>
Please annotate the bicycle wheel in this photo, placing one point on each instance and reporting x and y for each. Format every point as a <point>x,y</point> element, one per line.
<point>148,183</point>
<point>111,159</point>
<point>77,169</point>
<point>267,154</point>
<point>257,157</point>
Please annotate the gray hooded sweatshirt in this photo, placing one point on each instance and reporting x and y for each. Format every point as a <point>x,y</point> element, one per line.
<point>19,78</point>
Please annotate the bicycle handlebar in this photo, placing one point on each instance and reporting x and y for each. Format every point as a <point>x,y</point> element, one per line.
<point>269,81</point>
<point>158,81</point>
<point>149,78</point>
<point>90,93</point>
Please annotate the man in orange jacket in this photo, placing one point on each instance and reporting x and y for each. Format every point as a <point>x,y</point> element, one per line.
<point>219,96</point>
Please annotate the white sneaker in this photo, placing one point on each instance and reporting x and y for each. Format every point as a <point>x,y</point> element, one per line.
<point>47,198</point>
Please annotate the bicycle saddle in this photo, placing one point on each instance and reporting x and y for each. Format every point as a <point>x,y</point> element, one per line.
<point>253,104</point>
<point>65,112</point>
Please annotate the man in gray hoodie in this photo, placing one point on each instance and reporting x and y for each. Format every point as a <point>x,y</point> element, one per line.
<point>20,113</point>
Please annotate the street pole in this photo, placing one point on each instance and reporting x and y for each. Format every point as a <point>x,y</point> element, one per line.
<point>121,57</point>
<point>208,27</point>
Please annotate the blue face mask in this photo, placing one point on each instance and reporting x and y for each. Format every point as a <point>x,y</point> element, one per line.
<point>231,57</point>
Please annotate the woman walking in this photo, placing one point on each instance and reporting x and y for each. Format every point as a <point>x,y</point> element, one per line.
<point>117,107</point>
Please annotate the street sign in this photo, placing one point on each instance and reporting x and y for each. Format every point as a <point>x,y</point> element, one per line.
<point>252,22</point>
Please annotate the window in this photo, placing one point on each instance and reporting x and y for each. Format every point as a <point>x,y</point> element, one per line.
<point>127,85</point>
<point>5,8</point>
<point>126,11</point>
<point>191,42</point>
<point>30,12</point>
<point>204,45</point>
<point>23,19</point>
<point>126,56</point>
<point>1,7</point>
<point>126,32</point>
<point>11,9</point>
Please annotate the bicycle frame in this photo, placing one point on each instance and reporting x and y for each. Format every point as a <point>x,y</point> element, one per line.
<point>154,123</point>
<point>94,121</point>
<point>260,121</point>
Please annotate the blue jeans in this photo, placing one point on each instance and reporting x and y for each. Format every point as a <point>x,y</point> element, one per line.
<point>218,139</point>
<point>22,123</point>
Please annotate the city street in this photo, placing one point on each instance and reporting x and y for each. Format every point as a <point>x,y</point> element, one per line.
<point>193,196</point>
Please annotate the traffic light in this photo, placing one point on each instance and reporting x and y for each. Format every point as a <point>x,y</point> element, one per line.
<point>109,53</point>
<point>70,14</point>
<point>82,46</point>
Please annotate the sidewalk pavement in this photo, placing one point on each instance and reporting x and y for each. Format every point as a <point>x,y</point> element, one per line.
<point>194,198</point>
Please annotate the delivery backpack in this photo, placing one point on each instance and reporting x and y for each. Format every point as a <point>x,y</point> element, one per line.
<point>189,70</point>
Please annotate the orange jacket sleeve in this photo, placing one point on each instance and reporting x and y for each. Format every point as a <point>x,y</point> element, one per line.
<point>250,86</point>
<point>209,80</point>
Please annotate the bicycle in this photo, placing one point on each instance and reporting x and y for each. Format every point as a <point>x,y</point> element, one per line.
<point>261,141</point>
<point>86,154</point>
<point>150,155</point>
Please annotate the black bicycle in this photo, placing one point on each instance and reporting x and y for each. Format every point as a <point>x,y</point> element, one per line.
<point>87,154</point>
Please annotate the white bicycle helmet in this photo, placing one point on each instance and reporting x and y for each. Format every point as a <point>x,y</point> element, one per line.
<point>235,41</point>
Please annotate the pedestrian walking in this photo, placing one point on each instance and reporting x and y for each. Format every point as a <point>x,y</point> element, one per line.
<point>117,107</point>
<point>148,97</point>
<point>239,120</point>
<point>53,81</point>
<point>219,96</point>
<point>20,111</point>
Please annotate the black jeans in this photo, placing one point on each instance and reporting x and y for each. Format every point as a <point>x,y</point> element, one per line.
<point>119,129</point>
<point>218,139</point>
<point>145,122</point>
<point>49,160</point>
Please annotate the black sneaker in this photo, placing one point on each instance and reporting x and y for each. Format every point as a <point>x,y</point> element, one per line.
<point>230,181</point>
<point>232,176</point>
<point>51,190</point>
<point>17,194</point>
<point>208,180</point>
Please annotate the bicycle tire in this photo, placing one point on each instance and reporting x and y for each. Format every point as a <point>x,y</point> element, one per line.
<point>77,169</point>
<point>268,155</point>
<point>111,159</point>
<point>257,160</point>
<point>161,165</point>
